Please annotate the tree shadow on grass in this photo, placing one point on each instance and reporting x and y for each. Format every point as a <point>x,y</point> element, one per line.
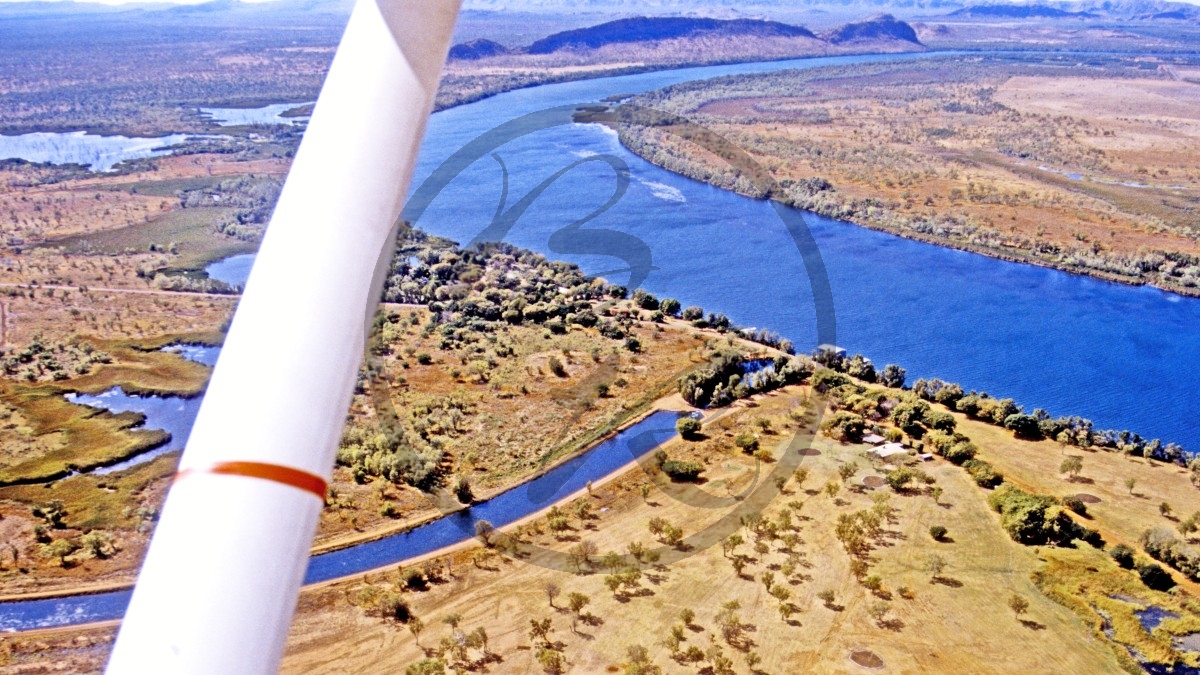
<point>946,581</point>
<point>1032,625</point>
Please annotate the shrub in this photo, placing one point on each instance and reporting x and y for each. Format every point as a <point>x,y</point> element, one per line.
<point>892,376</point>
<point>909,415</point>
<point>1154,576</point>
<point>682,470</point>
<point>1023,426</point>
<point>413,579</point>
<point>844,425</point>
<point>1122,555</point>
<point>688,427</point>
<point>984,474</point>
<point>898,479</point>
<point>557,367</point>
<point>1075,504</point>
<point>1033,519</point>
<point>424,358</point>
<point>940,420</point>
<point>462,490</point>
<point>426,667</point>
<point>824,379</point>
<point>961,452</point>
<point>645,300</point>
<point>1163,545</point>
<point>747,442</point>
<point>938,532</point>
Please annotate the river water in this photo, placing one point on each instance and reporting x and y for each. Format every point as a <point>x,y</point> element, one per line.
<point>269,114</point>
<point>98,153</point>
<point>1122,356</point>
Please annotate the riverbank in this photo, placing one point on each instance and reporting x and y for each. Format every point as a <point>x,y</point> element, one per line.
<point>952,164</point>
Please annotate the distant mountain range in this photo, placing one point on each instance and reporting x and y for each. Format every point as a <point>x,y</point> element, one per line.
<point>643,30</point>
<point>879,27</point>
<point>1021,12</point>
<point>1102,8</point>
<point>1134,9</point>
<point>646,29</point>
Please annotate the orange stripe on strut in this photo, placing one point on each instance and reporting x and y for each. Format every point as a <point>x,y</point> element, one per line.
<point>275,473</point>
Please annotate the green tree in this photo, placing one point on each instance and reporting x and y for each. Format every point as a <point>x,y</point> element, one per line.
<point>426,667</point>
<point>416,626</point>
<point>484,531</point>
<point>552,662</point>
<point>576,602</point>
<point>900,478</point>
<point>938,532</point>
<point>892,376</point>
<point>847,471</point>
<point>688,428</point>
<point>551,590</point>
<point>687,616</point>
<point>1154,576</point>
<point>935,565</point>
<point>540,629</point>
<point>639,662</point>
<point>747,442</point>
<point>59,548</point>
<point>99,543</point>
<point>1023,426</point>
<point>843,425</point>
<point>1072,465</point>
<point>879,611</point>
<point>1018,604</point>
<point>1131,483</point>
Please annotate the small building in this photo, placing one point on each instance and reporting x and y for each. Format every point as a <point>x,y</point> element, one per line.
<point>888,449</point>
<point>873,439</point>
<point>833,349</point>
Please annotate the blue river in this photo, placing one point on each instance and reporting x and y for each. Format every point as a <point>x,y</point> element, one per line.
<point>1123,356</point>
<point>503,509</point>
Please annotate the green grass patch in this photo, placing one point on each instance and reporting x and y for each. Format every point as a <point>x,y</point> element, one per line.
<point>99,502</point>
<point>1086,581</point>
<point>88,438</point>
<point>191,230</point>
<point>169,188</point>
